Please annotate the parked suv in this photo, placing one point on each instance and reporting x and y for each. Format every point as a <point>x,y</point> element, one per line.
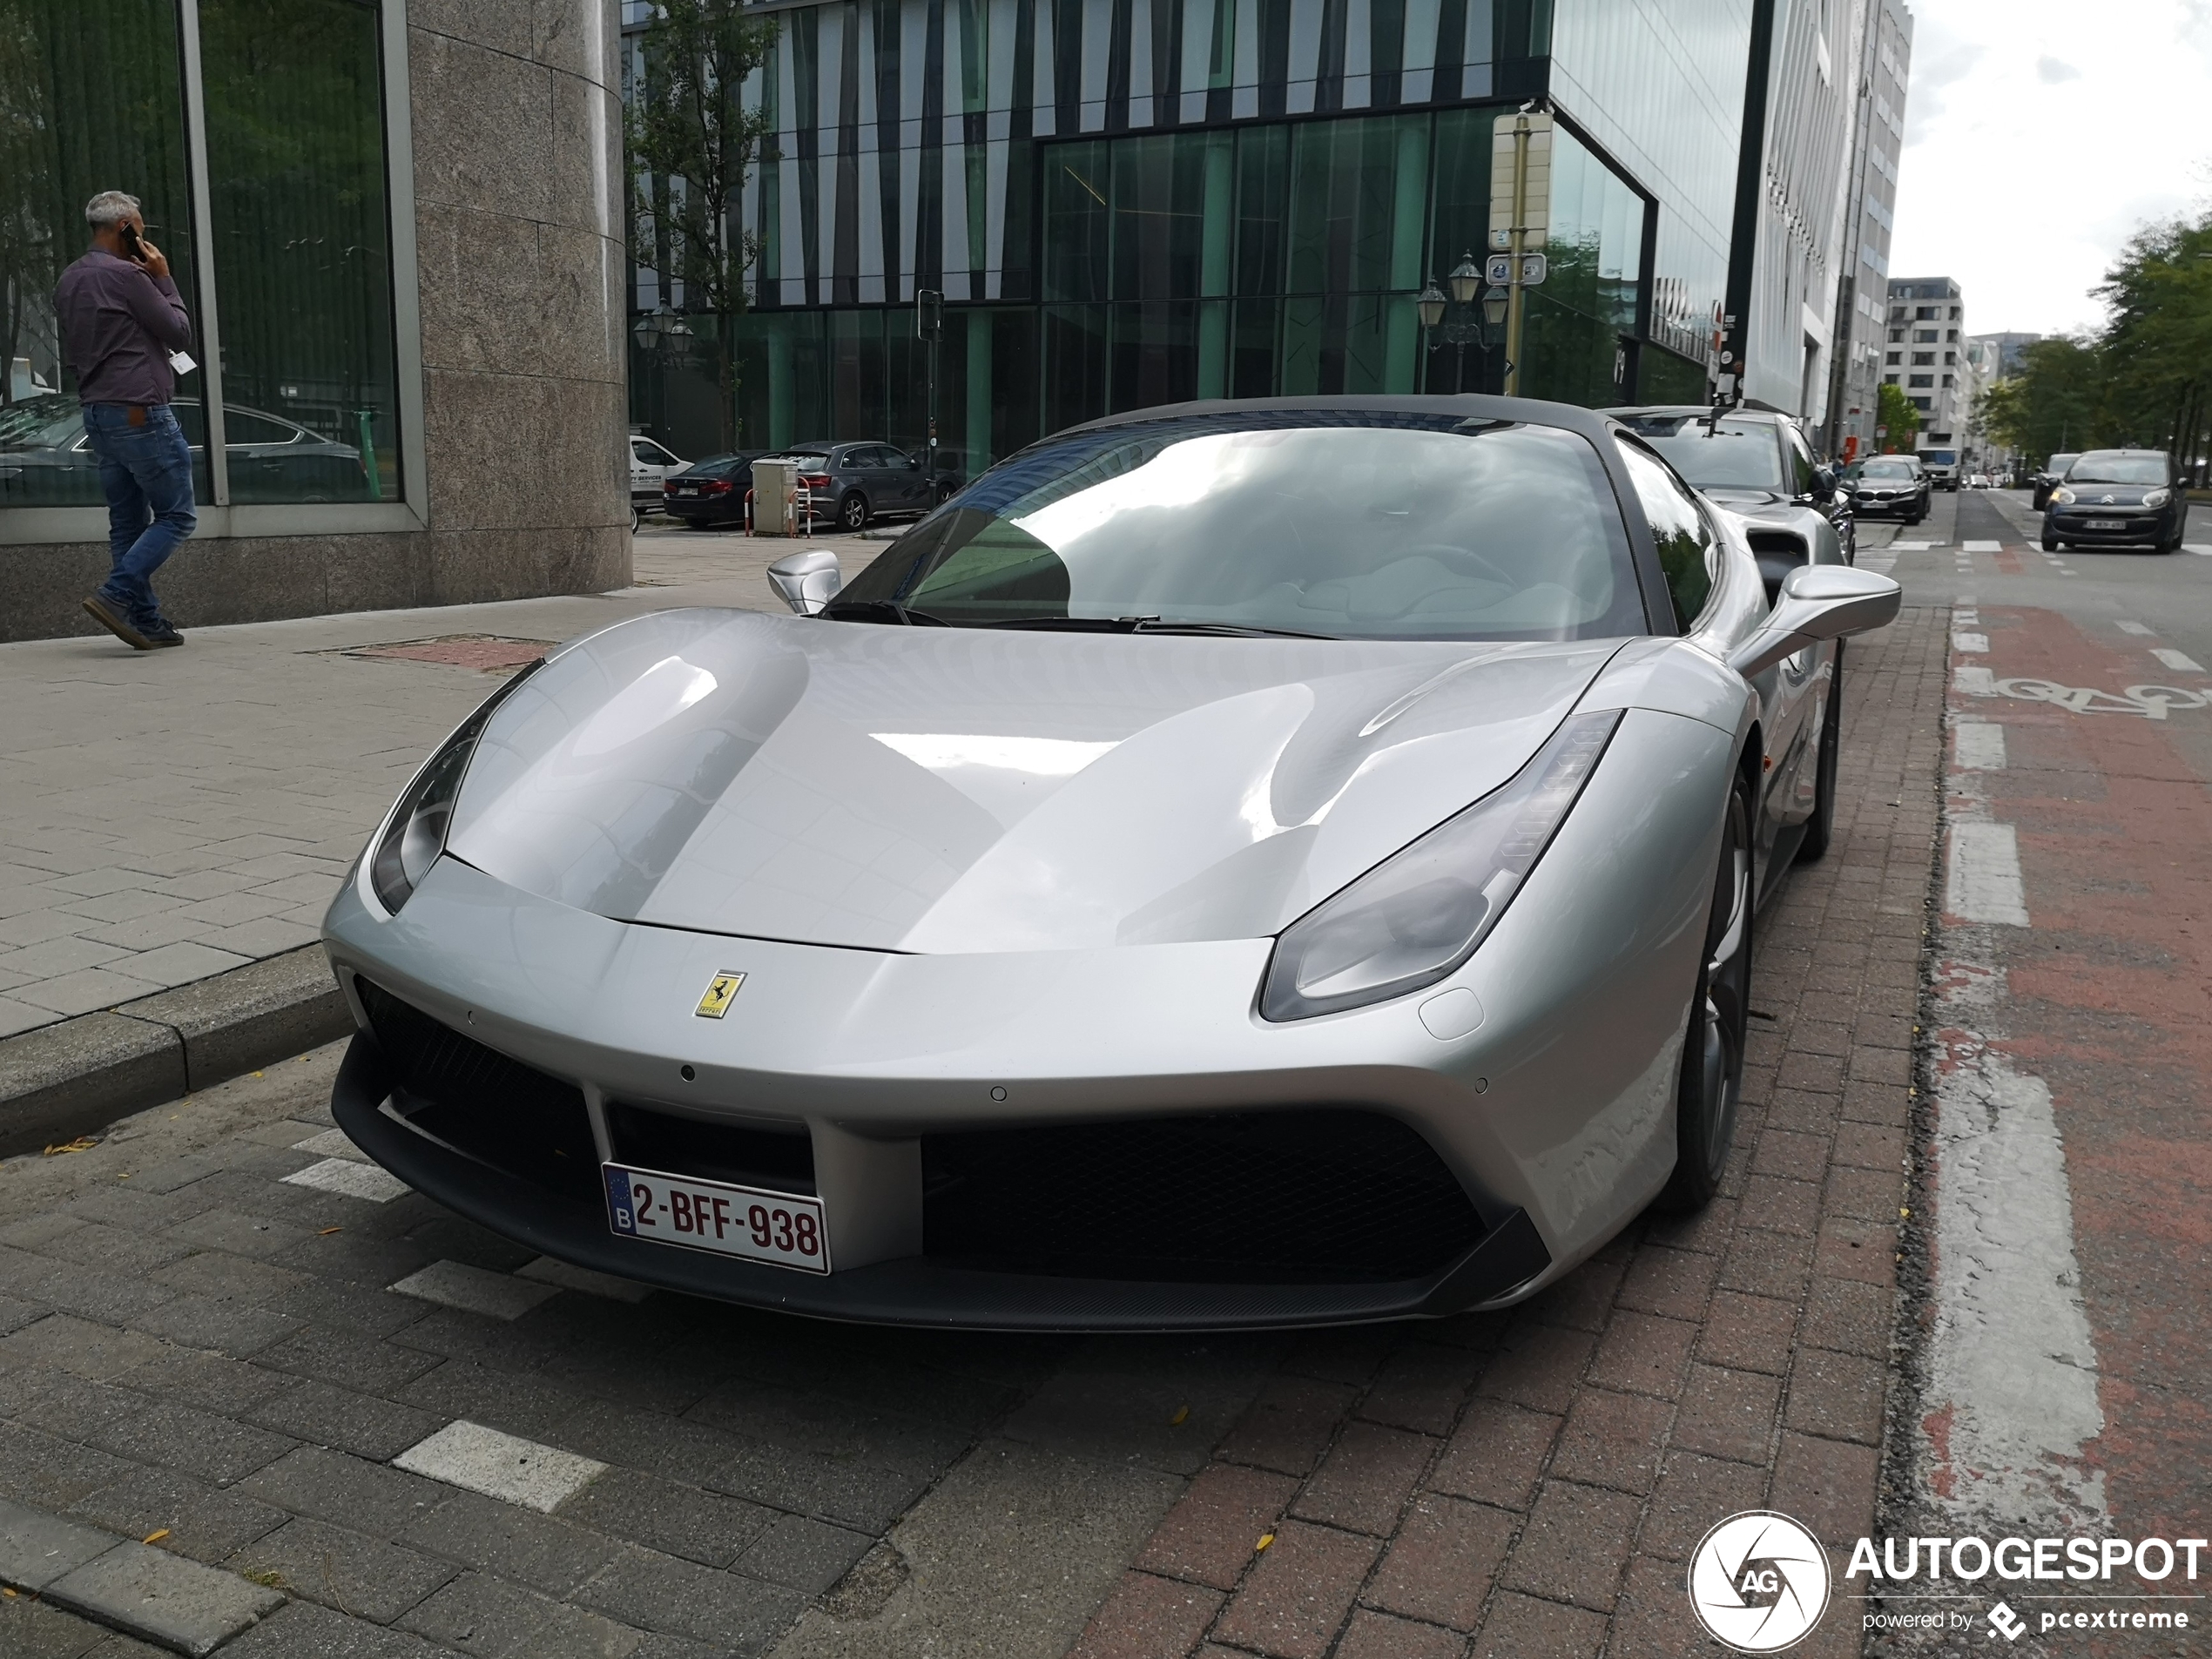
<point>1751,461</point>
<point>2117,498</point>
<point>854,484</point>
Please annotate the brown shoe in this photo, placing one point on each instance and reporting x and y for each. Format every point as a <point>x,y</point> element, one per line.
<point>101,612</point>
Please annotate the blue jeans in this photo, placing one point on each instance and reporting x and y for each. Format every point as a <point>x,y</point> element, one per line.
<point>146,473</point>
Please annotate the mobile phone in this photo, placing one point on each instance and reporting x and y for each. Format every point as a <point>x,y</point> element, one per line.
<point>129,236</point>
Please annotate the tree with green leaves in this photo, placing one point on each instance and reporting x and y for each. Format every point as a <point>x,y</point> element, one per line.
<point>691,143</point>
<point>2056,402</point>
<point>1894,410</point>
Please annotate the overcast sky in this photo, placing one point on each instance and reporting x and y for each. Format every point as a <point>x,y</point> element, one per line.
<point>2038,135</point>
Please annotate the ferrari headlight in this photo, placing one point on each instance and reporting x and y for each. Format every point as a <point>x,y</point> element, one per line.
<point>2061,495</point>
<point>1420,912</point>
<point>415,832</point>
<point>2157,497</point>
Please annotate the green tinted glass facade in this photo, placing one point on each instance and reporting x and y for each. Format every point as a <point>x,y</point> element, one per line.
<point>1126,205</point>
<point>293,259</point>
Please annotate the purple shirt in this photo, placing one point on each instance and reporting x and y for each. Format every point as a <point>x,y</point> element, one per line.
<point>118,326</point>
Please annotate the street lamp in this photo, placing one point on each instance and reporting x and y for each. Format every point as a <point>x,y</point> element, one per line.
<point>1430,303</point>
<point>1494,305</point>
<point>1467,279</point>
<point>1433,308</point>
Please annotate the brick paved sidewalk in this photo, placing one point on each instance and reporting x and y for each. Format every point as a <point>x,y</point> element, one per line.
<point>1532,1483</point>
<point>170,815</point>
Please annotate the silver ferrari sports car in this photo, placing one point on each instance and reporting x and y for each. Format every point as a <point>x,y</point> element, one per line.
<point>1256,863</point>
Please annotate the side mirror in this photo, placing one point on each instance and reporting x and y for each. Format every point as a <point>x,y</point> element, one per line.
<point>808,581</point>
<point>1818,601</point>
<point>912,464</point>
<point>1823,481</point>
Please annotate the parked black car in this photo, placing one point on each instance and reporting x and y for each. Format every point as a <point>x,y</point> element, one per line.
<point>1890,486</point>
<point>710,492</point>
<point>46,460</point>
<point>852,484</point>
<point>1746,460</point>
<point>2049,479</point>
<point>2117,498</point>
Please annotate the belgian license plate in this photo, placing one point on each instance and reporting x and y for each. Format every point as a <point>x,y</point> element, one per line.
<point>2107,524</point>
<point>783,1229</point>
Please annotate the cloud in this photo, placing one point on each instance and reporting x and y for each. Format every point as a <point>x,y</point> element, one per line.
<point>1991,112</point>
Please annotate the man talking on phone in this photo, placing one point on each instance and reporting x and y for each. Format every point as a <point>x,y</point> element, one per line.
<point>123,328</point>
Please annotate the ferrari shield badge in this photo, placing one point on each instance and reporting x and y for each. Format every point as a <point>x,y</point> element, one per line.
<point>720,992</point>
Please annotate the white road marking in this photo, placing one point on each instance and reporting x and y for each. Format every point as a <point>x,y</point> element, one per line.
<point>349,1178</point>
<point>1978,745</point>
<point>1983,883</point>
<point>2180,660</point>
<point>330,1143</point>
<point>1975,682</point>
<point>1983,547</point>
<point>2197,547</point>
<point>1970,642</point>
<point>506,1467</point>
<point>2012,1374</point>
<point>548,1270</point>
<point>2136,628</point>
<point>1965,615</point>
<point>475,1289</point>
<point>1911,547</point>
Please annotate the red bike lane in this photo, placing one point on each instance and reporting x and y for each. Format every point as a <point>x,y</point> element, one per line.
<point>2073,990</point>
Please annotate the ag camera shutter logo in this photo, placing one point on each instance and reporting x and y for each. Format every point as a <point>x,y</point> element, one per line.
<point>1758,1581</point>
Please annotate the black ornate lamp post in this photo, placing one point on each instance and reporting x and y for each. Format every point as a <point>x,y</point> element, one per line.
<point>1437,309</point>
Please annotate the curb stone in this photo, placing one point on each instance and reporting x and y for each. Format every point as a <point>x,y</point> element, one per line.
<point>143,1592</point>
<point>79,1076</point>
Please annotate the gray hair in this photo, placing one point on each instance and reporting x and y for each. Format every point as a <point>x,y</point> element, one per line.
<point>109,209</point>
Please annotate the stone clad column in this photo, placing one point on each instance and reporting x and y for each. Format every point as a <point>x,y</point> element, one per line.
<point>517,132</point>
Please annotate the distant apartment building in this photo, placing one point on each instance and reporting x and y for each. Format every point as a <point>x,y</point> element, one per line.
<point>1924,353</point>
<point>1883,60</point>
<point>2001,356</point>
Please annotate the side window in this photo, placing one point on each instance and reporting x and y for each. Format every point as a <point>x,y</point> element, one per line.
<point>1685,541</point>
<point>1800,462</point>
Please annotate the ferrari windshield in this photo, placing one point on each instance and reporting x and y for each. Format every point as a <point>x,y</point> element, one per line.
<point>1349,523</point>
<point>1716,454</point>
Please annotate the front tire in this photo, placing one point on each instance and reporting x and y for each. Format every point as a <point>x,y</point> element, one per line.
<point>852,512</point>
<point>1712,1058</point>
<point>2050,543</point>
<point>1820,828</point>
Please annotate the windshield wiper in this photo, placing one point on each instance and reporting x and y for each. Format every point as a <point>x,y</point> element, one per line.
<point>1147,625</point>
<point>1233,630</point>
<point>844,610</point>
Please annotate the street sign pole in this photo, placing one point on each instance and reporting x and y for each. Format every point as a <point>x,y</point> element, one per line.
<point>1514,300</point>
<point>929,323</point>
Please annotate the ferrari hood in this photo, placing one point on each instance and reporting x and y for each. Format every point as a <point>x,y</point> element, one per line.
<point>945,789</point>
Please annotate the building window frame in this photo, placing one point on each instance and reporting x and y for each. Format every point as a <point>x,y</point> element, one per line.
<point>220,518</point>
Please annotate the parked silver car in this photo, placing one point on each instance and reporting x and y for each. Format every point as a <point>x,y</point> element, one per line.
<point>1241,864</point>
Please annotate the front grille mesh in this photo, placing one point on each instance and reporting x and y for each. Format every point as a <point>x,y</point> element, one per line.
<point>497,1110</point>
<point>1312,1195</point>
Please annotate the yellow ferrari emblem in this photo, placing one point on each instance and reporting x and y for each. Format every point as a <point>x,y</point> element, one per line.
<point>719,995</point>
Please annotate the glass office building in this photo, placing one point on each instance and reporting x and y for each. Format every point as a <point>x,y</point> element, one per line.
<point>1133,202</point>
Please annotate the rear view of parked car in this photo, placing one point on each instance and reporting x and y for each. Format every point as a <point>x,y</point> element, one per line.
<point>710,492</point>
<point>854,484</point>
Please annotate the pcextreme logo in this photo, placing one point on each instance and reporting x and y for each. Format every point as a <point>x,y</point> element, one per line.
<point>1758,1581</point>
